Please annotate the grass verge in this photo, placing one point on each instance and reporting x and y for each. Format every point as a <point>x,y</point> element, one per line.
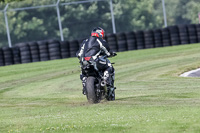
<point>150,96</point>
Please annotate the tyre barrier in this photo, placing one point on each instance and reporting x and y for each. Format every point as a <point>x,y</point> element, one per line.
<point>158,38</point>
<point>43,50</point>
<point>73,48</point>
<point>16,55</point>
<point>52,49</point>
<point>166,37</point>
<point>131,40</point>
<point>24,52</point>
<point>174,35</point>
<point>192,33</point>
<point>1,58</point>
<point>183,33</point>
<point>140,39</point>
<point>34,49</point>
<point>8,56</point>
<point>198,32</point>
<point>121,42</point>
<point>64,49</point>
<point>112,41</point>
<point>149,39</point>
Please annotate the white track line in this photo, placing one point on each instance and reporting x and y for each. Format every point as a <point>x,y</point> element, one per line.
<point>188,73</point>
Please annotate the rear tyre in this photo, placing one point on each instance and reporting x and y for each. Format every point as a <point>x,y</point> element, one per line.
<point>90,90</point>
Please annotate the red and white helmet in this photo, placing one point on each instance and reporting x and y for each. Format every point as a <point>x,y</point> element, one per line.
<point>98,32</point>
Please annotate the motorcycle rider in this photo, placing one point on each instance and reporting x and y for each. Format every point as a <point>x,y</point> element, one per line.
<point>92,49</point>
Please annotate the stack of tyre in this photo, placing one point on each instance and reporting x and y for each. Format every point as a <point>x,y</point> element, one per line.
<point>112,41</point>
<point>192,33</point>
<point>43,50</point>
<point>158,38</point>
<point>140,39</point>
<point>1,58</point>
<point>8,56</point>
<point>54,49</point>
<point>16,55</point>
<point>64,49</point>
<point>198,32</point>
<point>166,37</point>
<point>149,39</point>
<point>121,42</point>
<point>174,35</point>
<point>183,33</point>
<point>34,49</point>
<point>24,52</point>
<point>131,40</point>
<point>73,47</point>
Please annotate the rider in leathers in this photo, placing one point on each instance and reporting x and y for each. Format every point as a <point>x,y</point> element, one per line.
<point>92,49</point>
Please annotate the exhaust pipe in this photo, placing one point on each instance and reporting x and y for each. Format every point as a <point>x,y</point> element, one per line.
<point>103,83</point>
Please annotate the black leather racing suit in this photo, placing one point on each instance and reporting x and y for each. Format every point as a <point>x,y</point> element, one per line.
<point>93,49</point>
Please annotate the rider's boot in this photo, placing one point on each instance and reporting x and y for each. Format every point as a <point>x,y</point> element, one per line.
<point>106,78</point>
<point>109,79</point>
<point>83,79</point>
<point>84,85</point>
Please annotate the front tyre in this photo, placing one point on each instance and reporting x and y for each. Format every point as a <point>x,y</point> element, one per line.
<point>90,90</point>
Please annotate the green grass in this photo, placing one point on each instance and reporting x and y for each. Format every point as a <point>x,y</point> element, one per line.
<point>150,96</point>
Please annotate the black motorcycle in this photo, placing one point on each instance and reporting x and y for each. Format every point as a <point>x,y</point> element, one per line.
<point>96,88</point>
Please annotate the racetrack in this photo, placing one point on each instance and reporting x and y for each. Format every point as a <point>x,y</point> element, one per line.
<point>150,96</point>
<point>193,73</point>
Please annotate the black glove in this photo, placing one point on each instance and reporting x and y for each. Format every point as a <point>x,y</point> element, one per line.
<point>113,54</point>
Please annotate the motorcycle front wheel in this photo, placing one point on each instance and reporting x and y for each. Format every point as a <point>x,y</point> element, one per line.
<point>90,90</point>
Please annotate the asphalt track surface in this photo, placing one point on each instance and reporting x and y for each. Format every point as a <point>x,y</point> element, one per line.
<point>193,73</point>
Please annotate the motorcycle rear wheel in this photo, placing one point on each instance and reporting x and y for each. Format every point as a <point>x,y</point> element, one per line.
<point>90,90</point>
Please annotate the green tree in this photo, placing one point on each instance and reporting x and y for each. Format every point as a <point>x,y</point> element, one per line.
<point>192,8</point>
<point>137,15</point>
<point>79,19</point>
<point>8,1</point>
<point>182,11</point>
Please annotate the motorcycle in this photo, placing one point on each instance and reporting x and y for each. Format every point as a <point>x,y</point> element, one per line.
<point>96,88</point>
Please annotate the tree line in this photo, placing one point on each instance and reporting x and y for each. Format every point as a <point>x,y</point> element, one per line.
<point>8,1</point>
<point>78,19</point>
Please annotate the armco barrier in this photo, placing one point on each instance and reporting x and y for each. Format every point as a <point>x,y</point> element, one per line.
<point>133,40</point>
